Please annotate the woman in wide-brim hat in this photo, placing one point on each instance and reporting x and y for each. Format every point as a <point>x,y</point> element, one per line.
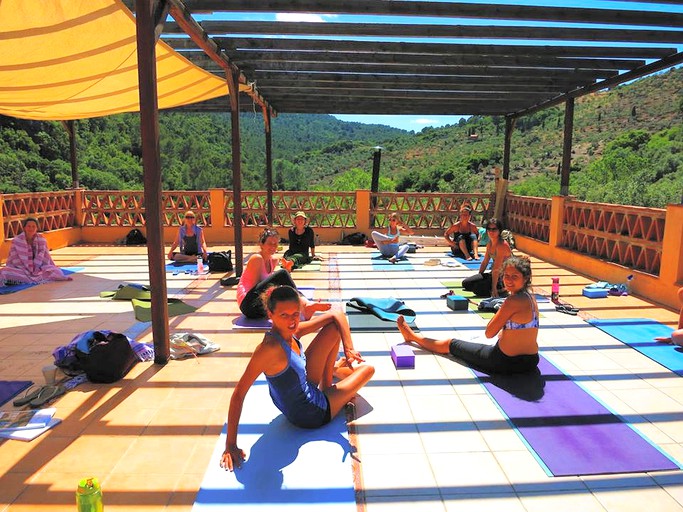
<point>301,241</point>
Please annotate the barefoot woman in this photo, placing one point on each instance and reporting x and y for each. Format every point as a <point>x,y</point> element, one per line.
<point>516,324</point>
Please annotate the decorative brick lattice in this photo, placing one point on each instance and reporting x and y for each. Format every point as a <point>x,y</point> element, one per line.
<point>123,209</point>
<point>324,209</point>
<point>627,235</point>
<point>528,216</point>
<point>54,210</point>
<point>429,210</point>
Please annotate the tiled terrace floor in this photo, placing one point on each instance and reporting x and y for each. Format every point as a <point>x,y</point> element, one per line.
<point>149,437</point>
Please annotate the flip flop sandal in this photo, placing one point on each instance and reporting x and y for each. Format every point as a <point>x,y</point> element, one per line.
<point>30,394</point>
<point>46,394</point>
<point>567,309</point>
<point>432,262</point>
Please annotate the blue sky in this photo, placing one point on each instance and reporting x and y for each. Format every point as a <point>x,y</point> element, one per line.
<point>418,122</point>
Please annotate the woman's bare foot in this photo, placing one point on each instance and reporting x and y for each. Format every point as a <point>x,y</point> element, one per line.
<point>406,331</point>
<point>662,339</point>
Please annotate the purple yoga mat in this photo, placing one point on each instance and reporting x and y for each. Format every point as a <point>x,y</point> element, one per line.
<point>10,388</point>
<point>568,429</point>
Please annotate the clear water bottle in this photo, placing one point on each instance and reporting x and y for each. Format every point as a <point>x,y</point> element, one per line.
<point>555,290</point>
<point>200,265</point>
<point>89,496</point>
<point>629,284</point>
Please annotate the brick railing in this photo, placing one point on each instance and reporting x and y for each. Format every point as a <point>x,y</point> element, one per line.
<point>587,237</point>
<point>429,211</point>
<point>628,235</point>
<point>528,216</point>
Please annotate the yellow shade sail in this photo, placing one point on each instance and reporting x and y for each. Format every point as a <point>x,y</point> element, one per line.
<point>76,59</point>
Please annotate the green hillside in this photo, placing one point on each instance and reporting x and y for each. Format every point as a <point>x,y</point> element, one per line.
<point>628,148</point>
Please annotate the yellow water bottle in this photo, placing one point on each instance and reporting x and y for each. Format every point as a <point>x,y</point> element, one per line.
<point>89,496</point>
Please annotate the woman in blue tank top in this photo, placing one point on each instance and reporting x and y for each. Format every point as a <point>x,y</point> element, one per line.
<point>300,382</point>
<point>515,323</point>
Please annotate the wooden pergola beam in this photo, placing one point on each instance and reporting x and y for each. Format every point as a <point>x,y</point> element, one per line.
<point>230,44</point>
<point>185,22</point>
<point>448,9</point>
<point>438,31</point>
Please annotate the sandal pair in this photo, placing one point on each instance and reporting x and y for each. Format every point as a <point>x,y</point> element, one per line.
<point>37,397</point>
<point>567,309</point>
<point>449,292</point>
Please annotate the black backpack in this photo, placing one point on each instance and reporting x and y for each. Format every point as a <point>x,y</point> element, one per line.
<point>135,237</point>
<point>357,238</point>
<point>110,357</point>
<point>220,261</point>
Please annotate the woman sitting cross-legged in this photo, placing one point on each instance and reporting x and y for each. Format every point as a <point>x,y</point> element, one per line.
<point>388,243</point>
<point>515,323</point>
<point>486,284</point>
<point>29,259</point>
<point>300,382</point>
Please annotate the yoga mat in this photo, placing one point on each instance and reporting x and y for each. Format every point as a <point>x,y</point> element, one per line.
<point>471,264</point>
<point>313,266</point>
<point>379,262</point>
<point>570,432</point>
<point>367,322</point>
<point>252,324</point>
<point>639,333</point>
<point>287,468</point>
<point>11,388</point>
<point>13,288</point>
<point>181,268</point>
<point>143,309</point>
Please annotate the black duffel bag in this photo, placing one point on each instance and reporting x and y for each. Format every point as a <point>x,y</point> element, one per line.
<point>220,261</point>
<point>109,357</point>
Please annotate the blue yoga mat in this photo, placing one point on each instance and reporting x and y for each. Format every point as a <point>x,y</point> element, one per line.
<point>568,430</point>
<point>11,388</point>
<point>471,264</point>
<point>13,288</point>
<point>379,262</point>
<point>181,268</point>
<point>287,468</point>
<point>639,333</point>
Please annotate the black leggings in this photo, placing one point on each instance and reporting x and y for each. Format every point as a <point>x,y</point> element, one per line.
<point>252,306</point>
<point>490,359</point>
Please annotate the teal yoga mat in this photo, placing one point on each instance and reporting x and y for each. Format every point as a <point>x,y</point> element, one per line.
<point>379,262</point>
<point>639,333</point>
<point>287,468</point>
<point>360,321</point>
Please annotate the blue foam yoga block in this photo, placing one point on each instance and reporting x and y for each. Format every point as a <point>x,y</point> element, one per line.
<point>595,293</point>
<point>457,302</point>
<point>403,356</point>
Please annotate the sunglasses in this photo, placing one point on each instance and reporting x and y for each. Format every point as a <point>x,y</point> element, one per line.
<point>492,229</point>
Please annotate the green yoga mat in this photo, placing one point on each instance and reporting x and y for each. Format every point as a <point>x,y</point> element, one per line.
<point>367,322</point>
<point>473,300</point>
<point>128,292</point>
<point>143,309</point>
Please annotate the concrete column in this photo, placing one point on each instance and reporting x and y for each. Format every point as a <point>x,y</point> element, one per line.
<point>556,220</point>
<point>363,211</point>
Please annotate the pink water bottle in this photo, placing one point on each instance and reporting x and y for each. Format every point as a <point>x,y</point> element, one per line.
<point>555,291</point>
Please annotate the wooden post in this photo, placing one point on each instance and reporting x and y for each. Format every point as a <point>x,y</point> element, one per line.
<point>374,186</point>
<point>509,126</point>
<point>151,163</point>
<point>233,89</point>
<point>73,154</point>
<point>567,146</point>
<point>269,163</point>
